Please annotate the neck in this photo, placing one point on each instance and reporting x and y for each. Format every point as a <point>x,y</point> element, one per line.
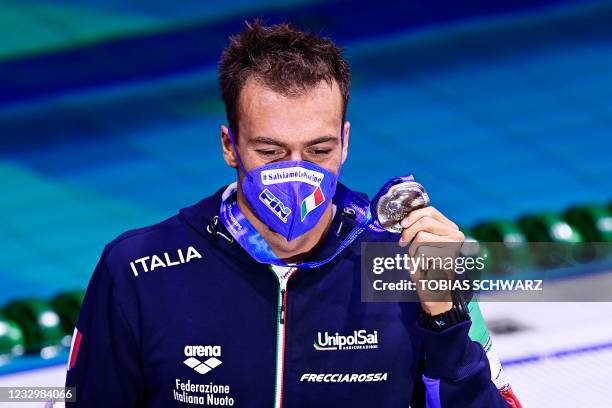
<point>289,251</point>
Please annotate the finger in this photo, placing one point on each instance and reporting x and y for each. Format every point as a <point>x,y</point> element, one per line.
<point>448,242</point>
<point>428,249</point>
<point>427,224</point>
<point>437,258</point>
<point>415,215</point>
<point>438,215</point>
<point>427,239</point>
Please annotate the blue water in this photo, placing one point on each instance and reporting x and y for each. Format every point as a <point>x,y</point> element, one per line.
<point>496,118</point>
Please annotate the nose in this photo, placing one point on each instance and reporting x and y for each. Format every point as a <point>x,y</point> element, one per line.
<point>295,156</point>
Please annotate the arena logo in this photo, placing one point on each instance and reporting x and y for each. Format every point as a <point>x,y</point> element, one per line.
<point>202,367</point>
<point>275,205</point>
<point>165,260</point>
<point>358,340</point>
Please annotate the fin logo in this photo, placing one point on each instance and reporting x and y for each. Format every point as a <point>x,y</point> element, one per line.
<point>275,205</point>
<point>202,367</point>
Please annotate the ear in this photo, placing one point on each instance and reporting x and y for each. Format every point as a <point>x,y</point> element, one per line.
<point>229,155</point>
<point>347,134</point>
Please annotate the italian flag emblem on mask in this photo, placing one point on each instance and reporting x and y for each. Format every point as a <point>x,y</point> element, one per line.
<point>312,201</point>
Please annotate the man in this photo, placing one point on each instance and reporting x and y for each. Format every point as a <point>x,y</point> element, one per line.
<point>249,297</point>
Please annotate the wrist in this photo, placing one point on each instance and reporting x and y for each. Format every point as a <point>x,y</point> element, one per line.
<point>457,313</point>
<point>436,308</point>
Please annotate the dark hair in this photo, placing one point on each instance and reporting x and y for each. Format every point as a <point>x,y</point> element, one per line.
<point>284,59</point>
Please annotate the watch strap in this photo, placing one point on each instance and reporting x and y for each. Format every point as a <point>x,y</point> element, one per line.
<point>458,313</point>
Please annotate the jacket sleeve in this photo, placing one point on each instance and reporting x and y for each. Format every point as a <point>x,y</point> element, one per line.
<point>480,333</point>
<point>104,363</point>
<point>457,372</point>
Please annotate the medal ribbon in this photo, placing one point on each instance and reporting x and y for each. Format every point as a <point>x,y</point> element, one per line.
<point>247,236</point>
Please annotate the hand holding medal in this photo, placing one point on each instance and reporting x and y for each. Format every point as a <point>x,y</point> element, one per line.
<point>402,206</point>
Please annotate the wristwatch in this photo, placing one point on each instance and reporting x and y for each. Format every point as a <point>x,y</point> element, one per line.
<point>457,314</point>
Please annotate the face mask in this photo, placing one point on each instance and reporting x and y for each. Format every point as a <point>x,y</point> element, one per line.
<point>290,197</point>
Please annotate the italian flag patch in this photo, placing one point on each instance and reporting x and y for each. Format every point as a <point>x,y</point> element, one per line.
<point>312,201</point>
<point>74,348</point>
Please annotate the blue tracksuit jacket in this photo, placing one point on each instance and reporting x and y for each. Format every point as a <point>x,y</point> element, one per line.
<point>178,315</point>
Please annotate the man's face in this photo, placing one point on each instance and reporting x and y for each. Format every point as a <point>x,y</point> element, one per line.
<point>274,127</point>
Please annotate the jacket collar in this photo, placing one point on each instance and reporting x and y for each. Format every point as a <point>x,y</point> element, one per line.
<point>204,218</point>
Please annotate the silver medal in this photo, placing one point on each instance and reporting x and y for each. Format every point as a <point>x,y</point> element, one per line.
<point>396,203</point>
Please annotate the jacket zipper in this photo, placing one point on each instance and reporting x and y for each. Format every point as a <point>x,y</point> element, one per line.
<point>281,328</point>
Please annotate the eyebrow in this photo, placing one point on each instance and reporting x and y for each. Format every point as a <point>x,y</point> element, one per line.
<point>274,142</point>
<point>322,139</point>
<point>266,140</point>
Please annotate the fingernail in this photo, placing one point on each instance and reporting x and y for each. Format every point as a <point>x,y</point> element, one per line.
<point>404,223</point>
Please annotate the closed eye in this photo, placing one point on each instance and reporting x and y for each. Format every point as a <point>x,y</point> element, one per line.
<point>268,152</point>
<point>320,152</point>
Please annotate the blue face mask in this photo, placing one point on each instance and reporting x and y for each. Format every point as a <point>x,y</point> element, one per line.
<point>290,197</point>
